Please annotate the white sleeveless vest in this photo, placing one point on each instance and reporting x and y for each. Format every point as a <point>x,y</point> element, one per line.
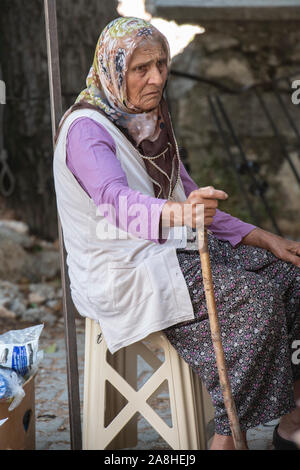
<point>132,286</point>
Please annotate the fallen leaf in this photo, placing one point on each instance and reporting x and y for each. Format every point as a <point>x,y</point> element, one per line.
<point>51,349</point>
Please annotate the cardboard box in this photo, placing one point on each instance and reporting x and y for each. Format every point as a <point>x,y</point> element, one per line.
<point>18,432</point>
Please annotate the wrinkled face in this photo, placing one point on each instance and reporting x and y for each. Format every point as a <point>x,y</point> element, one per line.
<point>146,76</point>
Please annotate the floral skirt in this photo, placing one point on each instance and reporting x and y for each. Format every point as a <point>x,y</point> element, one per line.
<point>258,303</point>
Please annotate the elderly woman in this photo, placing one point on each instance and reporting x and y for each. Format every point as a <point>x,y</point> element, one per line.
<point>122,196</point>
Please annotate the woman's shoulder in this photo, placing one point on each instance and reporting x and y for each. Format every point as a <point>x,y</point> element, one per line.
<point>84,116</point>
<point>86,128</point>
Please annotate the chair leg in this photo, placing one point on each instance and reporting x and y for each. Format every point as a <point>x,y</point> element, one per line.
<point>186,399</point>
<point>98,413</point>
<point>125,362</point>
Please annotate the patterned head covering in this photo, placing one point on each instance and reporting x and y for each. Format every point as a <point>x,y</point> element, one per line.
<point>106,81</point>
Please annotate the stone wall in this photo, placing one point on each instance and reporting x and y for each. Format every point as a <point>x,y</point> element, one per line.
<point>241,54</point>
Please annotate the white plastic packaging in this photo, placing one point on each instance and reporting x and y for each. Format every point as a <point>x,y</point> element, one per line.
<point>11,387</point>
<point>19,350</point>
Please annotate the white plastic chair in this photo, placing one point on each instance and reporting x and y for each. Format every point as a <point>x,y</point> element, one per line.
<point>107,410</point>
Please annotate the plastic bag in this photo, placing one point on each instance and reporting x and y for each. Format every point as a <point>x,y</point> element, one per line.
<point>11,387</point>
<point>19,350</point>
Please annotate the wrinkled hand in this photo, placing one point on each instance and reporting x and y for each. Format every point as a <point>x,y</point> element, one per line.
<point>208,197</point>
<point>286,250</point>
<point>201,202</point>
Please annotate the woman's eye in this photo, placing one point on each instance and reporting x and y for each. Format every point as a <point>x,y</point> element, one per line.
<point>161,64</point>
<point>141,68</point>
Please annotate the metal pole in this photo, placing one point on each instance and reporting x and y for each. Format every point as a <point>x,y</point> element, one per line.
<point>232,159</point>
<point>68,306</point>
<point>245,160</point>
<point>287,113</point>
<point>277,135</point>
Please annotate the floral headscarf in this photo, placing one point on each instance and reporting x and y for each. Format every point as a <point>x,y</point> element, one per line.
<point>106,83</point>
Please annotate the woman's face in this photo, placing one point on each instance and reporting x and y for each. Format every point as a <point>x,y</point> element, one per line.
<point>146,76</point>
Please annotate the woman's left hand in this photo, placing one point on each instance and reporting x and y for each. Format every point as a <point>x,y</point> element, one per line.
<point>286,250</point>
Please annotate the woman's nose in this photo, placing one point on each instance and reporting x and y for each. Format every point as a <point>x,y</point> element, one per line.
<point>155,77</point>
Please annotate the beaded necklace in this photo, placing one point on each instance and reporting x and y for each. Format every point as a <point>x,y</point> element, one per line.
<point>163,154</point>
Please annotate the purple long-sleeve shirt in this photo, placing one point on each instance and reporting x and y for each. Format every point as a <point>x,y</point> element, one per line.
<point>91,157</point>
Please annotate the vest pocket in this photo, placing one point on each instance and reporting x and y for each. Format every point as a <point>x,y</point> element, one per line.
<point>130,284</point>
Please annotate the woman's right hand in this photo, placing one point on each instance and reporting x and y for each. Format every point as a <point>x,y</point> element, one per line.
<point>189,212</point>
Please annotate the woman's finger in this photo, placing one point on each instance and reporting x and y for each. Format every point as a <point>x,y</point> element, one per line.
<point>210,192</point>
<point>295,248</point>
<point>288,256</point>
<point>210,211</point>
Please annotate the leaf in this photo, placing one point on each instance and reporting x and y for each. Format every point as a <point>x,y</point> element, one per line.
<point>51,349</point>
<point>33,305</point>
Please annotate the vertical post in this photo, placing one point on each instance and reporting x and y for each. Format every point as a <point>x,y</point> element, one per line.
<point>68,306</point>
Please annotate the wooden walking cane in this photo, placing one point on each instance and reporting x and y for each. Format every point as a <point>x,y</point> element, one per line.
<point>217,341</point>
<point>68,306</point>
